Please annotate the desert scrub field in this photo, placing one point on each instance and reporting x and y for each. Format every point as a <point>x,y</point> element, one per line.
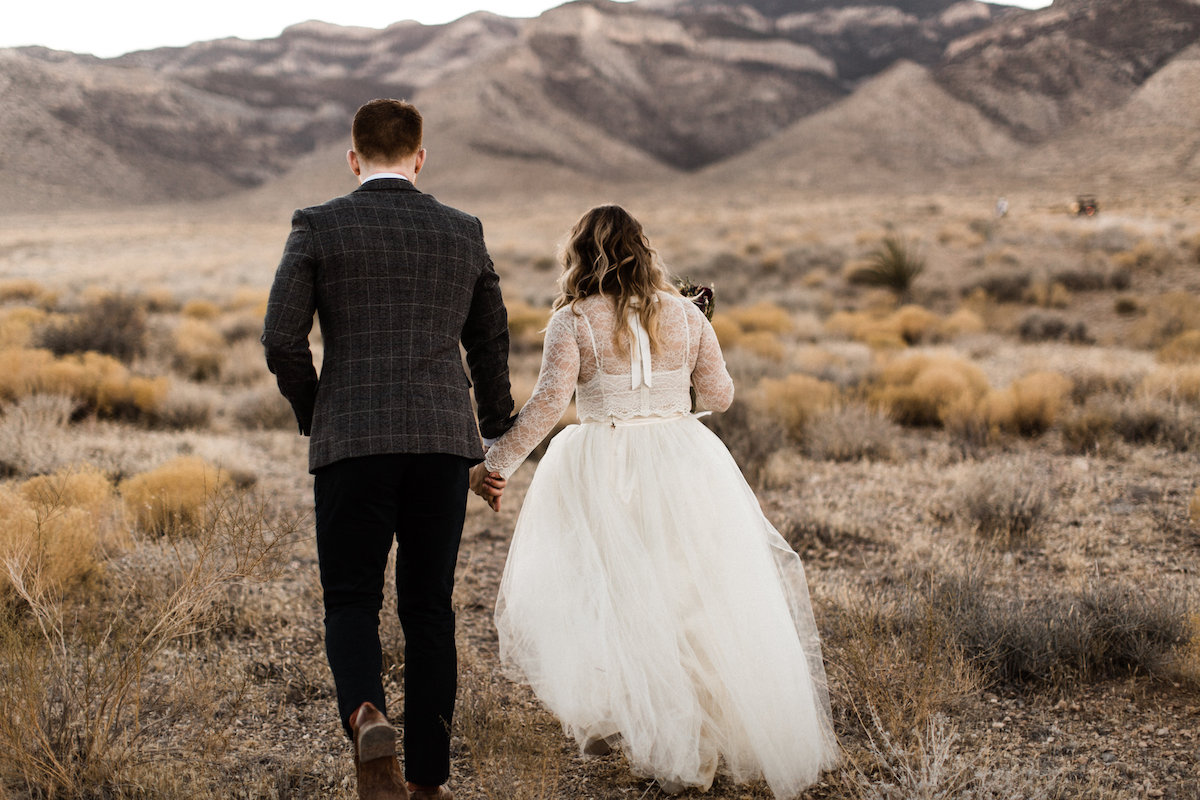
<point>988,464</point>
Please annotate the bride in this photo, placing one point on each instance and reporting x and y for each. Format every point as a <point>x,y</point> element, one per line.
<point>646,599</point>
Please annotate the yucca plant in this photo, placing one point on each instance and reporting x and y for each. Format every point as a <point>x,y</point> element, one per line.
<point>894,265</point>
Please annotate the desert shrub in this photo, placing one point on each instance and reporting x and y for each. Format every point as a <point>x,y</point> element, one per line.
<point>1004,504</point>
<point>1126,305</point>
<point>262,408</point>
<point>1094,633</point>
<point>850,433</point>
<point>160,300</point>
<point>796,400</point>
<point>1089,280</point>
<point>1002,286</point>
<point>894,264</point>
<point>1145,256</point>
<point>56,530</point>
<point>199,350</point>
<point>112,324</point>
<point>1150,421</point>
<point>251,300</point>
<point>19,369</point>
<point>17,326</point>
<point>1048,295</point>
<point>92,681</point>
<point>1089,429</point>
<point>32,430</point>
<point>727,329</point>
<point>762,343</point>
<point>962,322</point>
<point>186,406</point>
<point>527,322</point>
<point>171,498</point>
<point>1179,384</point>
<point>204,310</point>
<point>102,385</point>
<point>916,323</point>
<point>764,316</point>
<point>1030,405</point>
<point>751,437</point>
<point>241,326</point>
<point>1037,326</point>
<point>1183,349</point>
<point>1167,316</point>
<point>20,290</point>
<point>925,390</point>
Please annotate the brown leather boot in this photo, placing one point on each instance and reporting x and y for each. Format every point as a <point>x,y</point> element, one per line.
<point>375,765</point>
<point>435,793</point>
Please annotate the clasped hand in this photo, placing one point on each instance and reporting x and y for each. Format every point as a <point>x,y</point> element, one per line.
<point>488,485</point>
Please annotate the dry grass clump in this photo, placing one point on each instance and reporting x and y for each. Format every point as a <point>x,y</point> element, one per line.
<point>1090,429</point>
<point>1003,286</point>
<point>526,323</point>
<point>1145,256</point>
<point>926,389</point>
<point>1048,294</point>
<point>171,498</point>
<point>250,300</point>
<point>850,433</point>
<point>513,749</point>
<point>1183,349</point>
<point>31,430</point>
<point>56,530</point>
<point>1004,503</point>
<point>1194,509</point>
<point>199,349</point>
<point>100,383</point>
<point>186,406</point>
<point>763,344</point>
<point>1038,326</point>
<point>1167,316</point>
<point>764,316</point>
<point>893,662</point>
<point>1179,384</point>
<point>103,385</point>
<point>727,329</point>
<point>262,408</point>
<point>751,436</point>
<point>112,324</point>
<point>796,400</point>
<point>204,310</point>
<point>92,682</point>
<point>17,326</point>
<point>1098,632</point>
<point>20,290</point>
<point>1151,421</point>
<point>1030,406</point>
<point>908,325</point>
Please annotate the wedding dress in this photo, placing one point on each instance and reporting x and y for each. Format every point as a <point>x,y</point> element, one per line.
<point>645,595</point>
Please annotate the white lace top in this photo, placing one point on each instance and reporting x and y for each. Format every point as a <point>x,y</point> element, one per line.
<point>579,357</point>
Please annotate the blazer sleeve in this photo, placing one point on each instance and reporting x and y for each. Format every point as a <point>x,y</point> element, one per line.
<point>485,339</point>
<point>289,321</point>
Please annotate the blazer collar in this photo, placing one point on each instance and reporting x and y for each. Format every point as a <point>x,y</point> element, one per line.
<point>387,184</point>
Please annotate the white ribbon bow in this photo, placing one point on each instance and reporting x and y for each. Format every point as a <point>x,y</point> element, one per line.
<point>639,354</point>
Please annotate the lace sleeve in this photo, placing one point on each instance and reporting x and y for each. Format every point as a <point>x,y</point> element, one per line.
<point>714,386</point>
<point>551,396</point>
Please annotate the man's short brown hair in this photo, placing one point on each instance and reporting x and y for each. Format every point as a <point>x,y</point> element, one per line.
<point>386,131</point>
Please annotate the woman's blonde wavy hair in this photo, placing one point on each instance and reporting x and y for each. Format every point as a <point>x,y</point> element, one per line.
<point>609,254</point>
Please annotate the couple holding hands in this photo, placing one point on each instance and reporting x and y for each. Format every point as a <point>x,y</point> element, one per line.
<point>646,599</point>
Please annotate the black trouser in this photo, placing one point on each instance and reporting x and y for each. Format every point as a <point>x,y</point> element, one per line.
<point>360,504</point>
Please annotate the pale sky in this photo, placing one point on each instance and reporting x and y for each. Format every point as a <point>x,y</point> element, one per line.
<point>110,28</point>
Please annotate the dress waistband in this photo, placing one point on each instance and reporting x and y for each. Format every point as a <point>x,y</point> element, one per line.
<point>617,422</point>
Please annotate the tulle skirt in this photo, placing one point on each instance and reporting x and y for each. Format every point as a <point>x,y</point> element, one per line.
<point>646,597</point>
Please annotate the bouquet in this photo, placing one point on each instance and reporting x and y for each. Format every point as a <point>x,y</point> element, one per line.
<point>702,296</point>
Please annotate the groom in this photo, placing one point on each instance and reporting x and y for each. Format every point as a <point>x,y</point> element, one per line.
<point>398,281</point>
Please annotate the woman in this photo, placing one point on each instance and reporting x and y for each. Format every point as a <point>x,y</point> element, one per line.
<point>646,599</point>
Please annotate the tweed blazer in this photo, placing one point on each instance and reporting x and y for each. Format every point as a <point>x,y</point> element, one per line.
<point>397,280</point>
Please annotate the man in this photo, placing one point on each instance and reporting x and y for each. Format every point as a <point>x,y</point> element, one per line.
<point>398,281</point>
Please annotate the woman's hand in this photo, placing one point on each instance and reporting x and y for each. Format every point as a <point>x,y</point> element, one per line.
<point>488,485</point>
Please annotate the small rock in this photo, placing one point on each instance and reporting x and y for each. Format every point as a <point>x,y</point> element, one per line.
<point>1162,732</point>
<point>1108,756</point>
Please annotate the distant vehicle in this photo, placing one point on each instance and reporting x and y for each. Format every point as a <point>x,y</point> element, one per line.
<point>1085,206</point>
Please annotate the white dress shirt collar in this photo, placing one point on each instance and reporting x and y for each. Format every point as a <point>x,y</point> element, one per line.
<point>384,175</point>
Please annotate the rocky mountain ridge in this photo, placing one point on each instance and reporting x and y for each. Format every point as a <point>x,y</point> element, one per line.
<point>618,91</point>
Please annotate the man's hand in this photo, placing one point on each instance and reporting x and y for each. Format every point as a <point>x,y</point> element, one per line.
<point>488,485</point>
